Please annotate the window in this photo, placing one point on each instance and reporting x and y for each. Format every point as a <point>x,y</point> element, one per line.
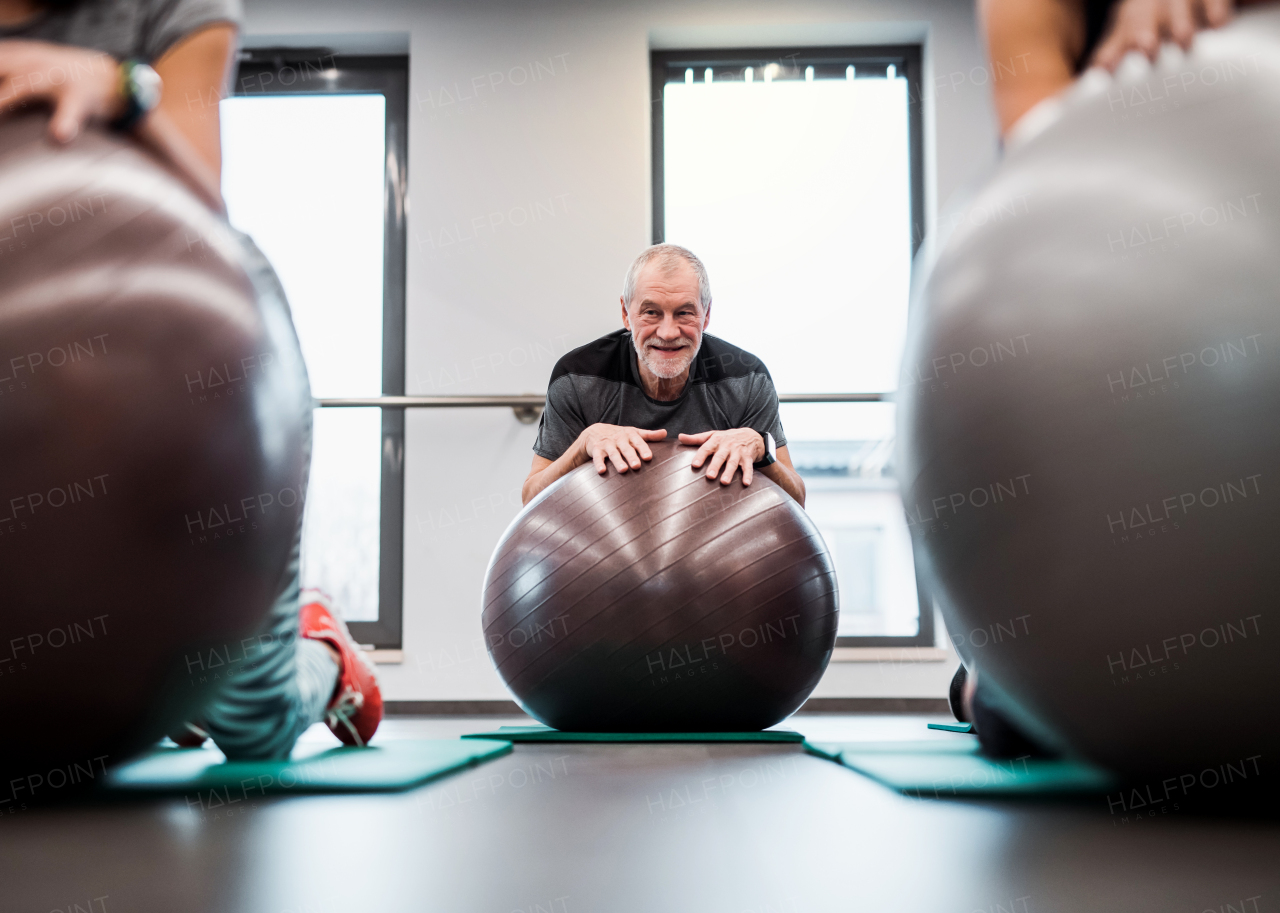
<point>795,174</point>
<point>313,156</point>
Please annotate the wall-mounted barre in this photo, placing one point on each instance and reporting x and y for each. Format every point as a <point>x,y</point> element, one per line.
<point>528,406</point>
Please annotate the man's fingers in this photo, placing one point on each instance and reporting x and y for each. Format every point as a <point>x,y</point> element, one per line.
<point>599,459</point>
<point>615,457</point>
<point>717,460</point>
<point>1216,12</point>
<point>748,470</point>
<point>654,435</point>
<point>730,466</point>
<point>1181,23</point>
<point>698,438</point>
<point>703,452</point>
<point>1108,54</point>
<point>67,118</point>
<point>629,454</point>
<point>637,441</point>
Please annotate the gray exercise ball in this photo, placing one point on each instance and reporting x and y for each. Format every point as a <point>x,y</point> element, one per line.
<point>1089,443</point>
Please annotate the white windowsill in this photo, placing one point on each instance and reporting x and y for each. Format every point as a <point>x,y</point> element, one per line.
<point>891,655</point>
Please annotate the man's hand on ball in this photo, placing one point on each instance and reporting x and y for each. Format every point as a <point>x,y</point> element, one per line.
<point>81,85</point>
<point>1141,25</point>
<point>623,446</point>
<point>729,451</point>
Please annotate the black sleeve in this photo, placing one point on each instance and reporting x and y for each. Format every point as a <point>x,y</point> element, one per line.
<point>761,412</point>
<point>562,420</point>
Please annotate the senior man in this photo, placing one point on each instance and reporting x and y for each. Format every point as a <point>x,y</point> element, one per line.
<point>662,374</point>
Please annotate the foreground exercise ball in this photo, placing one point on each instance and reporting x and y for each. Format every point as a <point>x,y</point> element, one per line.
<point>152,408</point>
<point>660,600</point>
<point>1088,443</point>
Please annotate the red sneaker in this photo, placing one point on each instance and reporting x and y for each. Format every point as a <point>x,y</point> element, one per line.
<point>355,711</point>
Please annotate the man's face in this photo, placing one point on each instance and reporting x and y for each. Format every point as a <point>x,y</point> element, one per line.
<point>666,319</point>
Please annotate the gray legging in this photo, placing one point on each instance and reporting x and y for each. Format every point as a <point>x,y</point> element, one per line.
<point>281,683</point>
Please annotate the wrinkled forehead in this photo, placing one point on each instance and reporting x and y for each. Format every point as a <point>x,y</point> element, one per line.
<point>671,282</point>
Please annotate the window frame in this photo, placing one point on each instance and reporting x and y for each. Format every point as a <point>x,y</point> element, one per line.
<point>907,59</point>
<point>277,71</point>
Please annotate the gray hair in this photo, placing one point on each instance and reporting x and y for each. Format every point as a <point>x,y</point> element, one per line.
<point>668,257</point>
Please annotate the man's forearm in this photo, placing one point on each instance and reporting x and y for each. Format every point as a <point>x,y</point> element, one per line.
<point>569,461</point>
<point>158,132</point>
<point>786,478</point>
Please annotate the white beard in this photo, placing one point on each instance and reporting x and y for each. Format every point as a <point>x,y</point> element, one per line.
<point>666,368</point>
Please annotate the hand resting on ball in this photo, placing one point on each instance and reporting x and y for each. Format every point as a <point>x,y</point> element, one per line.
<point>730,451</point>
<point>737,448</point>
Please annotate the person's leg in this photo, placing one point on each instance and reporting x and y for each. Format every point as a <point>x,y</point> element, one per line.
<point>955,695</point>
<point>285,687</point>
<point>287,681</point>
<point>998,737</point>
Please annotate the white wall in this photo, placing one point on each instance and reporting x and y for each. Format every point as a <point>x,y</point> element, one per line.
<point>492,304</point>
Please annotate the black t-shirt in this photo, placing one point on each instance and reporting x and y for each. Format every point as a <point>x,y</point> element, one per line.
<point>600,382</point>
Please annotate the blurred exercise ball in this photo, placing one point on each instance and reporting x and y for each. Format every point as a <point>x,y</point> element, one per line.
<point>153,405</point>
<point>659,600</point>
<point>1088,444</point>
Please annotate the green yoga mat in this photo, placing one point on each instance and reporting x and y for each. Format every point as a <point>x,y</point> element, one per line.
<point>547,734</point>
<point>946,768</point>
<point>391,765</point>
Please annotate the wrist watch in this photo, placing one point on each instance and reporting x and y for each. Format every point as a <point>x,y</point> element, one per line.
<point>140,85</point>
<point>770,452</point>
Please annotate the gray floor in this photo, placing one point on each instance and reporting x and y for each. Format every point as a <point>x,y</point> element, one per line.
<point>655,828</point>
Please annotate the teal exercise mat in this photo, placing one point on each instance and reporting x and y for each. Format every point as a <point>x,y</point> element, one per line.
<point>944,768</point>
<point>952,727</point>
<point>547,734</point>
<point>391,765</point>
